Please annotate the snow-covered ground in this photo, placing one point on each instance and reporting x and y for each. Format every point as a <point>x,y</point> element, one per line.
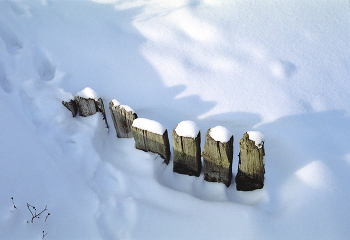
<point>278,67</point>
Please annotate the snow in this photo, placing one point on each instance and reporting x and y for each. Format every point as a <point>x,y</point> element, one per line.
<point>126,107</point>
<point>187,129</point>
<point>220,134</point>
<point>257,137</point>
<point>149,125</point>
<point>66,96</point>
<point>115,102</point>
<point>277,67</point>
<point>88,93</point>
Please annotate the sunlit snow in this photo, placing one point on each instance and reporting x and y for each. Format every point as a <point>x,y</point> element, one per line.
<point>220,133</point>
<point>88,93</point>
<point>149,125</point>
<point>280,68</point>
<point>187,129</point>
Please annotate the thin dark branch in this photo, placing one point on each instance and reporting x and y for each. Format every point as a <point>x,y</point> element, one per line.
<point>13,203</point>
<point>42,211</point>
<point>47,216</point>
<point>28,206</point>
<point>35,215</point>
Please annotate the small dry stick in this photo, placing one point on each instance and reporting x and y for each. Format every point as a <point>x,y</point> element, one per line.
<point>13,203</point>
<point>35,215</point>
<point>44,234</point>
<point>47,216</point>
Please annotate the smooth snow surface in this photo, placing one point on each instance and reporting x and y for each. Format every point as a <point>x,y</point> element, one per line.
<point>257,137</point>
<point>149,125</point>
<point>220,134</point>
<point>278,67</point>
<point>187,129</point>
<point>88,93</point>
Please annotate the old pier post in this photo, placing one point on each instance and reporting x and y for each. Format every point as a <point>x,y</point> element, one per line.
<point>123,117</point>
<point>151,136</point>
<point>88,103</point>
<point>251,169</point>
<point>186,147</point>
<point>71,105</point>
<point>218,155</point>
<point>101,108</point>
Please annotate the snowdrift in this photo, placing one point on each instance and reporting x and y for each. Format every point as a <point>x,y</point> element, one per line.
<point>280,68</point>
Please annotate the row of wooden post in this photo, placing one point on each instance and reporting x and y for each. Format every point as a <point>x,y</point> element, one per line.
<point>217,156</point>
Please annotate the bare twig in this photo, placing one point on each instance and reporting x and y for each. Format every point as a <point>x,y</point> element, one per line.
<point>35,215</point>
<point>13,203</point>
<point>30,206</point>
<point>47,216</point>
<point>44,234</point>
<point>41,212</point>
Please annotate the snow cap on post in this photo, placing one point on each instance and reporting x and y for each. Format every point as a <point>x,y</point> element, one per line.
<point>257,137</point>
<point>220,134</point>
<point>88,93</point>
<point>149,125</point>
<point>187,129</point>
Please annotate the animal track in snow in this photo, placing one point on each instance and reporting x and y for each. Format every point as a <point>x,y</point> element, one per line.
<point>43,65</point>
<point>10,39</point>
<point>17,9</point>
<point>4,82</point>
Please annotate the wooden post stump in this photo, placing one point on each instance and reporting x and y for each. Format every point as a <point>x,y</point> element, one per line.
<point>251,169</point>
<point>88,103</point>
<point>123,117</point>
<point>71,106</point>
<point>86,106</point>
<point>187,149</point>
<point>100,108</point>
<point>218,156</point>
<point>150,136</point>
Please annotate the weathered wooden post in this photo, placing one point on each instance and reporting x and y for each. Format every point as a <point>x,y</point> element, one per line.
<point>123,117</point>
<point>251,169</point>
<point>88,103</point>
<point>101,108</point>
<point>187,149</point>
<point>218,155</point>
<point>70,104</point>
<point>85,101</point>
<point>151,136</point>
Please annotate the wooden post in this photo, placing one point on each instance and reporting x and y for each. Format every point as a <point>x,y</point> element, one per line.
<point>218,157</point>
<point>123,117</point>
<point>88,103</point>
<point>71,106</point>
<point>150,140</point>
<point>251,169</point>
<point>86,106</point>
<point>100,108</point>
<point>187,153</point>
